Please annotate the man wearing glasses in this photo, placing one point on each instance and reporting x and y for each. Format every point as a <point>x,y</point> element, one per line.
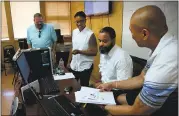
<point>41,35</point>
<point>84,48</point>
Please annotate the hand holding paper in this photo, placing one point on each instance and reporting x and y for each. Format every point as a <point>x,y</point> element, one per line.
<point>91,95</point>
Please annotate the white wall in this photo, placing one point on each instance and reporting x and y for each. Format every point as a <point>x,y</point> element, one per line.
<point>170,10</point>
<point>23,16</point>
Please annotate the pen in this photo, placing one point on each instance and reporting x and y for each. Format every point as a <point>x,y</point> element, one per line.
<point>84,105</point>
<point>48,95</point>
<point>53,96</point>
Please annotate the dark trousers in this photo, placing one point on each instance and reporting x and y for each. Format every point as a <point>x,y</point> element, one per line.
<point>116,93</point>
<point>84,76</point>
<point>169,108</point>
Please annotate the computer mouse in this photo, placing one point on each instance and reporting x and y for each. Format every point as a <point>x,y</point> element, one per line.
<point>68,89</point>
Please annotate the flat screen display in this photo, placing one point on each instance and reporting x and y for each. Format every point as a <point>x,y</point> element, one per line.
<point>97,8</point>
<point>23,67</point>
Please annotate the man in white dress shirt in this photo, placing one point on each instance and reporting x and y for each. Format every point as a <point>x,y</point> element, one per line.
<point>84,48</point>
<point>115,63</point>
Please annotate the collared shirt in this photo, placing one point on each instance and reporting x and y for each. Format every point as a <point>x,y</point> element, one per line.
<point>43,38</point>
<point>116,65</point>
<point>80,41</point>
<point>161,73</point>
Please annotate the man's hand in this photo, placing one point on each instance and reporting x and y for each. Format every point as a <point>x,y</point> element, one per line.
<point>76,52</point>
<point>68,66</point>
<point>97,84</point>
<point>105,87</point>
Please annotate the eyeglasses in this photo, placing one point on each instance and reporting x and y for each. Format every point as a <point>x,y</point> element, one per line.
<point>80,21</point>
<point>39,34</point>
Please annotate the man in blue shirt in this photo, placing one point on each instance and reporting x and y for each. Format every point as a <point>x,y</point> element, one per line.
<point>41,35</point>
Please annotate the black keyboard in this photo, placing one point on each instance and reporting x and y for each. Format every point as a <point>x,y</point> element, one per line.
<point>70,107</point>
<point>52,107</point>
<point>48,86</point>
<point>95,110</point>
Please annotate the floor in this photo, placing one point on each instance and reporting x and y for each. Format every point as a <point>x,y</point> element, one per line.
<point>7,94</point>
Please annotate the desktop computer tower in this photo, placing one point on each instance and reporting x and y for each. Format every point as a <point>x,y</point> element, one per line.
<point>39,62</point>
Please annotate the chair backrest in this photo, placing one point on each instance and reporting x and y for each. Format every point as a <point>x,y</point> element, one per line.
<point>9,51</point>
<point>138,65</point>
<point>59,36</point>
<point>23,43</point>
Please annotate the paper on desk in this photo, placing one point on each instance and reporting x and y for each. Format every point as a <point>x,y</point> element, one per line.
<point>61,77</point>
<point>91,95</point>
<point>83,88</point>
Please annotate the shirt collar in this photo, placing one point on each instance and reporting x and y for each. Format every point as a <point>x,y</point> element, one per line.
<point>165,40</point>
<point>82,30</point>
<point>40,29</point>
<point>111,52</point>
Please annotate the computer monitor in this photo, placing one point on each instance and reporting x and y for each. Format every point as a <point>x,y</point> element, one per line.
<point>39,62</point>
<point>59,36</point>
<point>23,66</point>
<point>23,43</point>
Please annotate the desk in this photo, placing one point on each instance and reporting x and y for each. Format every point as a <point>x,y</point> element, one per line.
<point>36,108</point>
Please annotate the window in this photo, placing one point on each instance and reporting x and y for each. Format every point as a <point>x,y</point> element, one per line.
<point>4,27</point>
<point>22,17</point>
<point>58,14</point>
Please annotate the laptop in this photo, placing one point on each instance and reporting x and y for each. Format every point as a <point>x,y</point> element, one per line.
<point>60,106</point>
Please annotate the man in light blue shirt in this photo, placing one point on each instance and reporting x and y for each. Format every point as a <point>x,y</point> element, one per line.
<point>41,35</point>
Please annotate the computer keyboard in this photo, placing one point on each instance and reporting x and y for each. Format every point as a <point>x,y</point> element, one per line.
<point>60,106</point>
<point>95,110</point>
<point>48,86</point>
<point>70,107</point>
<point>52,107</point>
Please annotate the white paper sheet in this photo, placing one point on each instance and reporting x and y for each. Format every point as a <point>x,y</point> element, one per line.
<point>92,95</point>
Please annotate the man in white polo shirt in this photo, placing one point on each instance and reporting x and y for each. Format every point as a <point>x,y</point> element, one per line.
<point>159,79</point>
<point>84,48</point>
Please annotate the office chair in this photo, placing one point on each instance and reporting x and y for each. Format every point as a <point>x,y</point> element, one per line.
<point>138,65</point>
<point>9,52</point>
<point>59,36</point>
<point>23,43</point>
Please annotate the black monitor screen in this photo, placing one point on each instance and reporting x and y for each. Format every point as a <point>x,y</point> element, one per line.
<point>23,43</point>
<point>23,67</point>
<point>35,64</point>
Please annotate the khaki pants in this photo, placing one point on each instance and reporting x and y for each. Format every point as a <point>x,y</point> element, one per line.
<point>53,55</point>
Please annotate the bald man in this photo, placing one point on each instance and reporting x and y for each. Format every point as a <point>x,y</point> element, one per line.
<point>159,78</point>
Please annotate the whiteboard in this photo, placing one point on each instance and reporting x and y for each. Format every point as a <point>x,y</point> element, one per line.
<point>170,10</point>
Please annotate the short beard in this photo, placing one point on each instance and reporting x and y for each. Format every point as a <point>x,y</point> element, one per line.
<point>105,50</point>
<point>39,26</point>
